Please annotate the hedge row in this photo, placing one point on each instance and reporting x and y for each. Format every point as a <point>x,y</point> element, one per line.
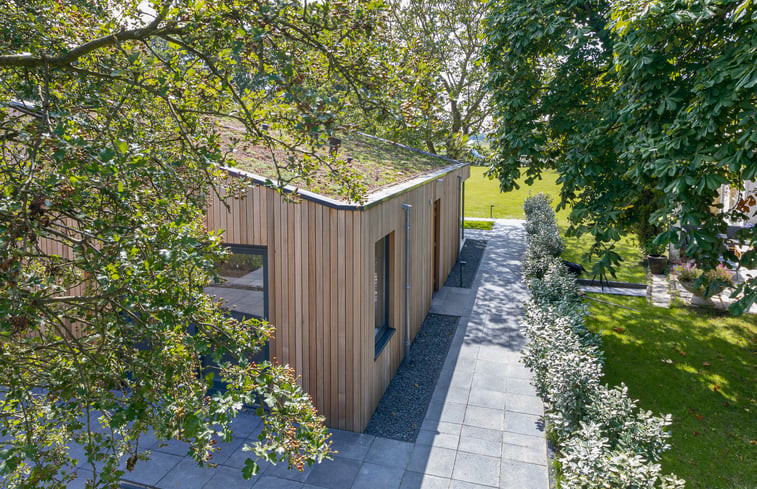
<point>603,440</point>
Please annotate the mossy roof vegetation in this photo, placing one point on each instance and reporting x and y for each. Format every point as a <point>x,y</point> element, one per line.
<point>361,162</point>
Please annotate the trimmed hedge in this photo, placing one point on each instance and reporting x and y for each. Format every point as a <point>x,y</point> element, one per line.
<point>603,440</point>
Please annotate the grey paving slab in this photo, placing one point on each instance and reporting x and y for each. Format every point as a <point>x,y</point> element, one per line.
<point>334,474</point>
<point>229,478</point>
<point>186,475</point>
<point>432,438</point>
<point>432,460</point>
<point>482,417</point>
<point>525,404</point>
<point>522,476</point>
<point>456,484</point>
<point>282,471</point>
<point>372,476</point>
<point>151,471</point>
<point>391,453</point>
<point>415,480</point>
<point>351,445</point>
<point>267,482</point>
<point>487,398</point>
<point>525,424</point>
<point>481,447</point>
<point>477,433</point>
<point>530,454</point>
<point>476,468</point>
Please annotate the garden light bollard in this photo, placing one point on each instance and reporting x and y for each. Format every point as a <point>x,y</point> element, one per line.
<point>491,211</point>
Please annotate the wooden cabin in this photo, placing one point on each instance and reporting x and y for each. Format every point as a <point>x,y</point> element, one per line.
<point>331,276</point>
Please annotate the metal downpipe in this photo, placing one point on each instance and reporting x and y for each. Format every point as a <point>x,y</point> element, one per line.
<point>408,228</point>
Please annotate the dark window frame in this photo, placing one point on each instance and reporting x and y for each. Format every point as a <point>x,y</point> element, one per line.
<point>384,332</point>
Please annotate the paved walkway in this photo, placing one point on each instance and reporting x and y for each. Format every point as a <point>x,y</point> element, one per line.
<point>483,428</point>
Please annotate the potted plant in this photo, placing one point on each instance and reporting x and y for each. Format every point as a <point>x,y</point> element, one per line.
<point>704,285</point>
<point>656,258</point>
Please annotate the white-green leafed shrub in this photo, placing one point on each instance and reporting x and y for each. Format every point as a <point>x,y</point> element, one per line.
<point>588,462</point>
<point>626,427</point>
<point>603,439</point>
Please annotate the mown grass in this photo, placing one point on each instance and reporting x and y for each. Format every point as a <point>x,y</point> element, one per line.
<point>483,225</point>
<point>631,269</point>
<point>700,366</point>
<point>482,192</point>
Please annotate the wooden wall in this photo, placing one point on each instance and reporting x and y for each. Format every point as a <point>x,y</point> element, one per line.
<point>320,284</point>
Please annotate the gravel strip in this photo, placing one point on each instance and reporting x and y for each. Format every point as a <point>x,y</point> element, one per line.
<point>401,411</point>
<point>471,254</point>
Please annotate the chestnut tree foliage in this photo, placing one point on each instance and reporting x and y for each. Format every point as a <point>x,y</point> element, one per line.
<point>644,108</point>
<point>109,147</point>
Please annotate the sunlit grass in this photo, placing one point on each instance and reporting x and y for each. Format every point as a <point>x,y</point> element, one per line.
<point>700,366</point>
<point>631,269</point>
<point>481,193</point>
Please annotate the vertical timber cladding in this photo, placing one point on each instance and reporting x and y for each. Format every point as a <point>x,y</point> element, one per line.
<point>321,290</point>
<point>383,219</point>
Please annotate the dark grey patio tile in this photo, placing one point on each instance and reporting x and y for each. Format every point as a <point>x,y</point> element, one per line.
<point>267,482</point>
<point>479,469</point>
<point>174,447</point>
<point>520,475</point>
<point>432,460</point>
<point>520,386</point>
<point>390,453</point>
<point>151,471</point>
<point>229,478</point>
<point>351,445</point>
<point>238,457</point>
<point>339,473</point>
<point>372,476</point>
<point>432,438</point>
<point>415,480</point>
<point>225,449</point>
<point>482,417</point>
<point>246,424</point>
<point>282,471</point>
<point>81,479</point>
<point>529,454</point>
<point>481,447</point>
<point>525,404</point>
<point>526,424</point>
<point>186,475</point>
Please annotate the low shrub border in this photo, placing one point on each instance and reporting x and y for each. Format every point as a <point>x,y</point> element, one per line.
<point>602,439</point>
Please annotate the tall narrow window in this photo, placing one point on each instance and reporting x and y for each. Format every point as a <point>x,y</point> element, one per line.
<point>382,293</point>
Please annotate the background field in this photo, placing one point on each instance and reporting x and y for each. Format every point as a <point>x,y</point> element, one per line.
<point>481,192</point>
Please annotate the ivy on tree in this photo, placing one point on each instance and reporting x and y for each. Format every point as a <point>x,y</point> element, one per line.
<point>109,147</point>
<point>644,109</point>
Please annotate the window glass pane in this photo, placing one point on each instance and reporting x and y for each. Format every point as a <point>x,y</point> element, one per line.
<point>380,284</point>
<point>242,283</point>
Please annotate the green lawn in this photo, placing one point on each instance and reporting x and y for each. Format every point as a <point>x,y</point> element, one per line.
<point>484,225</point>
<point>631,268</point>
<point>698,365</point>
<point>481,193</point>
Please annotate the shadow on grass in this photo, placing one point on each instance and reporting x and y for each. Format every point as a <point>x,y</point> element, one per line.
<point>699,365</point>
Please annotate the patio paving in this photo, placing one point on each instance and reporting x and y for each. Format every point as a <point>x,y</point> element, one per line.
<point>483,428</point>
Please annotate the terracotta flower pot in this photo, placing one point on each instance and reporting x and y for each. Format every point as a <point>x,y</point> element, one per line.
<point>658,264</point>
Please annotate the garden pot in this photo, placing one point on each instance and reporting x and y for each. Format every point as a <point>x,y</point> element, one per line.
<point>697,300</point>
<point>658,264</point>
